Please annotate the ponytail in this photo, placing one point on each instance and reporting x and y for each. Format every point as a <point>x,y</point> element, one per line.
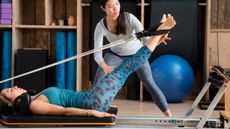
<point>121,24</point>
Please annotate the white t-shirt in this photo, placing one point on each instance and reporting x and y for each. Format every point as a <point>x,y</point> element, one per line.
<point>133,25</point>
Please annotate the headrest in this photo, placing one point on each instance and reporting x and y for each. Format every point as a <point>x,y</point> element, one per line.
<point>21,104</point>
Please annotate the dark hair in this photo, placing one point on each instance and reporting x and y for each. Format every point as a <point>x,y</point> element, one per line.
<point>102,3</point>
<point>121,25</point>
<point>21,104</point>
<point>4,108</point>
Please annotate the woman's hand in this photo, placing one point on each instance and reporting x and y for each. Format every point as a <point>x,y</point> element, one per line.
<point>107,69</point>
<point>164,38</point>
<point>100,114</point>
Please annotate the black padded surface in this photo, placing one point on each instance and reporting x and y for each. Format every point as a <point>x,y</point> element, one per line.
<point>40,120</point>
<point>54,119</point>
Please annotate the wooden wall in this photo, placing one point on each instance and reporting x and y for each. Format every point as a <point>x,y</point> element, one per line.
<point>217,35</point>
<point>220,14</point>
<point>86,84</point>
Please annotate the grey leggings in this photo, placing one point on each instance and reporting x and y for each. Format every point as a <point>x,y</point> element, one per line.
<point>145,75</point>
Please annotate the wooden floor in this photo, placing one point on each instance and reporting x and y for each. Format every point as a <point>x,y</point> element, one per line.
<point>148,108</point>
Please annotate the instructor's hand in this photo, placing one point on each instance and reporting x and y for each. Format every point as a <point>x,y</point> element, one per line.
<point>108,69</point>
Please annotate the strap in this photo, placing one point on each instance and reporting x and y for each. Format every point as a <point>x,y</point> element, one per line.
<point>152,31</point>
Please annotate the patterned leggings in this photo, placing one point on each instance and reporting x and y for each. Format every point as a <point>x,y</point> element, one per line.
<point>100,97</point>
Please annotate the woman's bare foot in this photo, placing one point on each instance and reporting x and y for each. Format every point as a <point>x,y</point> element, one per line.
<point>168,24</point>
<point>163,19</point>
<point>167,113</point>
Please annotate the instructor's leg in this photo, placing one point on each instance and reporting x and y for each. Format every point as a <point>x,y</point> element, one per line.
<point>145,75</point>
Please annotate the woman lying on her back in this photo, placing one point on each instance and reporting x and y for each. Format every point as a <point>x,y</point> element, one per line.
<point>96,101</point>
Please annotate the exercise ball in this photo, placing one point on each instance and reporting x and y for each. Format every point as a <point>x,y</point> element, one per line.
<point>173,75</point>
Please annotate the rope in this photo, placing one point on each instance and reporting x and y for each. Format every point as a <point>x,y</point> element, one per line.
<point>112,44</point>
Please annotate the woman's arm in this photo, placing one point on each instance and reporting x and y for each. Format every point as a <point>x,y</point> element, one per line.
<point>43,108</point>
<point>98,43</point>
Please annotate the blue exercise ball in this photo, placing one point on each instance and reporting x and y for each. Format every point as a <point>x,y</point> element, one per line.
<point>174,76</point>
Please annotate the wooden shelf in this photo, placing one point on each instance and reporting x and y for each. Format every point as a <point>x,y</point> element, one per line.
<point>31,25</point>
<point>5,26</point>
<point>43,27</point>
<point>219,30</point>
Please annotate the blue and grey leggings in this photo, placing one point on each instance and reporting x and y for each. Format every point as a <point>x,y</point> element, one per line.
<point>100,97</point>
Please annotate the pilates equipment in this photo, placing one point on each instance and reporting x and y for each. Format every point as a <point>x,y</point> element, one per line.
<point>220,78</point>
<point>6,55</point>
<point>34,120</point>
<point>44,120</point>
<point>166,122</point>
<point>178,73</point>
<point>217,78</point>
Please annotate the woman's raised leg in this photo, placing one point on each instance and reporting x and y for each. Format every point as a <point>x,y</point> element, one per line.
<point>102,94</point>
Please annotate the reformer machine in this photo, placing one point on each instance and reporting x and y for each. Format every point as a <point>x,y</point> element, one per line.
<point>218,77</point>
